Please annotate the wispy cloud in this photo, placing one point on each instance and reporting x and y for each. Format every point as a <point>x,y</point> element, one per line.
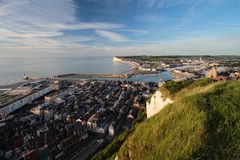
<point>41,24</point>
<point>163,3</point>
<point>86,26</point>
<point>205,45</point>
<point>6,6</point>
<point>112,36</point>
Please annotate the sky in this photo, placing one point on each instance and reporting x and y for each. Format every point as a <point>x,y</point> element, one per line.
<point>118,27</point>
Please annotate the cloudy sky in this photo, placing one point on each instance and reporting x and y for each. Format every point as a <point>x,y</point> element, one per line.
<point>118,27</point>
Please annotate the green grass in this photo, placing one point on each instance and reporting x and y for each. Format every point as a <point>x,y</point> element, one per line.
<point>170,89</point>
<point>202,123</point>
<point>173,87</point>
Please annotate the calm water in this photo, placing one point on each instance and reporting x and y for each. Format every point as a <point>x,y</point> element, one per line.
<point>12,70</point>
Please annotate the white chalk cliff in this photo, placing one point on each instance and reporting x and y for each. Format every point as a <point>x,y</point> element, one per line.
<point>156,103</point>
<point>115,59</point>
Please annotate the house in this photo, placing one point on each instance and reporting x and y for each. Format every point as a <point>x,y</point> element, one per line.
<point>112,129</point>
<point>80,130</point>
<point>92,123</point>
<point>212,73</point>
<point>102,128</point>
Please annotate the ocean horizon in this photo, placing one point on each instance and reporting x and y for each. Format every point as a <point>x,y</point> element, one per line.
<point>13,69</point>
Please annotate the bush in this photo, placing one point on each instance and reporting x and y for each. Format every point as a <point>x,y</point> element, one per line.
<point>173,87</point>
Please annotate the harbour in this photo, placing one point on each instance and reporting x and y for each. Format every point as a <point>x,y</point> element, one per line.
<point>88,67</point>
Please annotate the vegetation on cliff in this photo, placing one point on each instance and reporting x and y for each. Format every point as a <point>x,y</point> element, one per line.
<point>202,123</point>
<point>170,89</point>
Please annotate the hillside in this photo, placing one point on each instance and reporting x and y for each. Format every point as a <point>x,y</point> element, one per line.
<point>202,123</point>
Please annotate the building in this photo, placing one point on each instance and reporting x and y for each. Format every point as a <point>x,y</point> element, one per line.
<point>13,106</point>
<point>39,110</point>
<point>92,123</point>
<point>112,129</point>
<point>212,73</point>
<point>48,114</point>
<point>102,128</point>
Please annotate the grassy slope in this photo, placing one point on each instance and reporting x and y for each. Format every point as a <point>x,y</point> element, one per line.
<point>202,123</point>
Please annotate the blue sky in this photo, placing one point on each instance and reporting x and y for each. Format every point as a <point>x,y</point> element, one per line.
<point>118,27</point>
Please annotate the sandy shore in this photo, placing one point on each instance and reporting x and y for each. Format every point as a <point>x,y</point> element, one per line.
<point>133,65</point>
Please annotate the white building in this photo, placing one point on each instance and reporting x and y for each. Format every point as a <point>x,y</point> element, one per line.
<point>111,129</point>
<point>92,123</point>
<point>102,129</point>
<point>23,101</point>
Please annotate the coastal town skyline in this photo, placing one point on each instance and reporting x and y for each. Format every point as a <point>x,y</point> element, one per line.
<point>109,28</point>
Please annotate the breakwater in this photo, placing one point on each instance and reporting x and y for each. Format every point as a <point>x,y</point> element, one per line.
<point>76,77</point>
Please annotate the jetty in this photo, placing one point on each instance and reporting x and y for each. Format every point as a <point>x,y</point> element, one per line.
<point>76,77</point>
<point>125,74</point>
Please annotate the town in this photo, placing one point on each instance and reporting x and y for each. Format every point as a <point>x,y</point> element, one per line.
<point>187,67</point>
<point>46,119</point>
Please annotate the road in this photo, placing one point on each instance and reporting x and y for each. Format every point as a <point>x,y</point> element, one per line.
<point>88,150</point>
<point>83,149</point>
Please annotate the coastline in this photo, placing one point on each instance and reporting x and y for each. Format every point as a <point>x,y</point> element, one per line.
<point>132,65</point>
<point>49,67</point>
<point>131,69</point>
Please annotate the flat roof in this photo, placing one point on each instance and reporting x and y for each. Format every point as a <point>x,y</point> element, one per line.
<point>8,99</point>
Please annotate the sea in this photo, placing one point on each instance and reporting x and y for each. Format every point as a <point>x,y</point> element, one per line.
<point>13,69</point>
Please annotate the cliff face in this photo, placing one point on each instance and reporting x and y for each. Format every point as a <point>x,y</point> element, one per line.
<point>156,103</point>
<point>115,59</point>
